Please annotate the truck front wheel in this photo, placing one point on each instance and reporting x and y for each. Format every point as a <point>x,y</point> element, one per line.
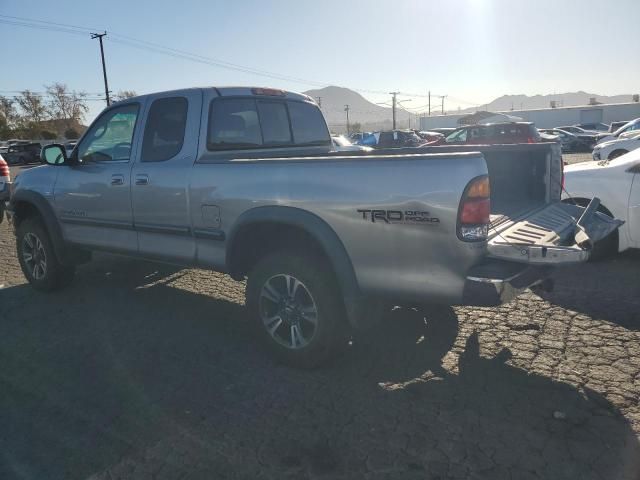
<point>37,258</point>
<point>296,306</point>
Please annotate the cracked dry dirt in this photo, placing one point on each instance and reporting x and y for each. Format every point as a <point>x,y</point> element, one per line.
<point>141,371</point>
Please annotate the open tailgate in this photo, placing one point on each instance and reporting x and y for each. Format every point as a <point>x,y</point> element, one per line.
<point>558,233</point>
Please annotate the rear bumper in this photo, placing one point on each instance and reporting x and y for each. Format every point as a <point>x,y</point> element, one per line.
<point>498,282</point>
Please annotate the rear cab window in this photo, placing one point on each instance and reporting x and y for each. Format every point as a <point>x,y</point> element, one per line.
<point>245,123</point>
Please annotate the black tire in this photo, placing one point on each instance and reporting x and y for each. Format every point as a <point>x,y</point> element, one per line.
<point>616,154</point>
<point>323,339</point>
<point>53,275</point>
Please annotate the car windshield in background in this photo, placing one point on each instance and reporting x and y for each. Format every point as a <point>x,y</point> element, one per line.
<point>342,141</point>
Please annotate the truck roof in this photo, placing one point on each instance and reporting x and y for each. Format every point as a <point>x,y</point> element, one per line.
<point>229,91</point>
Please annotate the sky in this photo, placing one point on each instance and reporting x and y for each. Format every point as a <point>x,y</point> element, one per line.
<point>471,50</point>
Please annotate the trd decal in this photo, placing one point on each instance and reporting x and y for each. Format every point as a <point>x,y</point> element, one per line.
<point>73,213</point>
<point>399,216</point>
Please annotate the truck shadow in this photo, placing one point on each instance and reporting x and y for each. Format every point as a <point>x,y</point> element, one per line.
<point>131,372</point>
<point>607,290</point>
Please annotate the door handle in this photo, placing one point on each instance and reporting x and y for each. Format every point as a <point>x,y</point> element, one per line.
<point>117,179</point>
<point>142,179</point>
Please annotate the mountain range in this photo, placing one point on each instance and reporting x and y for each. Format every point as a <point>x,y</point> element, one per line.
<point>372,116</point>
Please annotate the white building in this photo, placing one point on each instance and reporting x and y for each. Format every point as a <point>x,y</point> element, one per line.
<point>552,117</point>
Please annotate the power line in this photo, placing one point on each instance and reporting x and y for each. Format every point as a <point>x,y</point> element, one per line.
<point>183,54</point>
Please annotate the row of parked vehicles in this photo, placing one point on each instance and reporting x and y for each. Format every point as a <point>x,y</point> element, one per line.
<point>618,139</point>
<point>24,152</point>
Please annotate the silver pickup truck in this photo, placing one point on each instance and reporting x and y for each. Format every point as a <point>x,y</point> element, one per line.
<point>244,181</point>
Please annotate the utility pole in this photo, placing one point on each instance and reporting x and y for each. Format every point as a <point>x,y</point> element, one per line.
<point>429,102</point>
<point>319,101</point>
<point>104,68</point>
<point>393,107</point>
<point>442,97</point>
<point>346,109</point>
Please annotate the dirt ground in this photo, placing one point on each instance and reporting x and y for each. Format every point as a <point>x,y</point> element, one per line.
<point>144,371</point>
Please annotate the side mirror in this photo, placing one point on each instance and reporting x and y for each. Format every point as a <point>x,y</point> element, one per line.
<point>54,154</point>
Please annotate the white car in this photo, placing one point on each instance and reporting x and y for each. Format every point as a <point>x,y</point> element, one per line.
<point>617,184</point>
<point>341,144</point>
<point>625,143</point>
<point>627,127</point>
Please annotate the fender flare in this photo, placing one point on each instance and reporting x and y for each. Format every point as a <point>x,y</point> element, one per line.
<point>322,233</point>
<point>48,216</point>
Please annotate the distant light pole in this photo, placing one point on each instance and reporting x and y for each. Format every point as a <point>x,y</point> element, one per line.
<point>346,109</point>
<point>104,68</point>
<point>400,102</point>
<point>442,97</point>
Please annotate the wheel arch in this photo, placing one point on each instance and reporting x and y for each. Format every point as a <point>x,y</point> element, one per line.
<point>27,204</point>
<point>263,230</point>
<point>618,151</point>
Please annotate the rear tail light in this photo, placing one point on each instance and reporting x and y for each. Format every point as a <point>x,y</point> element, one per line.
<point>474,211</point>
<point>4,168</point>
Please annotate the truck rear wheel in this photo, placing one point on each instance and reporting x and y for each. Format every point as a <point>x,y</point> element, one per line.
<point>297,308</point>
<point>37,258</point>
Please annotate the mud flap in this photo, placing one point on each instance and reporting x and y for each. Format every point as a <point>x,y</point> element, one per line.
<point>557,234</point>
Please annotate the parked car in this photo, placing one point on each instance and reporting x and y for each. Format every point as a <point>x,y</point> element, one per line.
<point>393,139</point>
<point>5,183</point>
<point>571,142</point>
<point>244,181</point>
<point>627,127</point>
<point>597,126</point>
<point>341,144</point>
<point>430,136</point>
<point>23,153</point>
<point>622,145</point>
<point>493,133</point>
<point>443,131</point>
<point>577,130</point>
<point>616,125</point>
<point>617,185</point>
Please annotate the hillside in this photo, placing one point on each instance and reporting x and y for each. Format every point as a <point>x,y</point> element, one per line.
<point>361,110</point>
<point>376,117</point>
<point>526,102</point>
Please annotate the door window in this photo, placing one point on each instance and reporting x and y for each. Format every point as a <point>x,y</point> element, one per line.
<point>164,130</point>
<point>110,138</point>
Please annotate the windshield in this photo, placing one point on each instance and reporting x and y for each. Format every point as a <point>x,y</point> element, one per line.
<point>632,125</point>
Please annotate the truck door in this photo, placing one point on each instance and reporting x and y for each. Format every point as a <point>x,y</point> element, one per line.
<point>93,196</point>
<point>160,177</point>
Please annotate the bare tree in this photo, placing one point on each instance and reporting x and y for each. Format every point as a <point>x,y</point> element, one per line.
<point>67,105</point>
<point>32,107</point>
<point>8,114</point>
<point>124,94</point>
